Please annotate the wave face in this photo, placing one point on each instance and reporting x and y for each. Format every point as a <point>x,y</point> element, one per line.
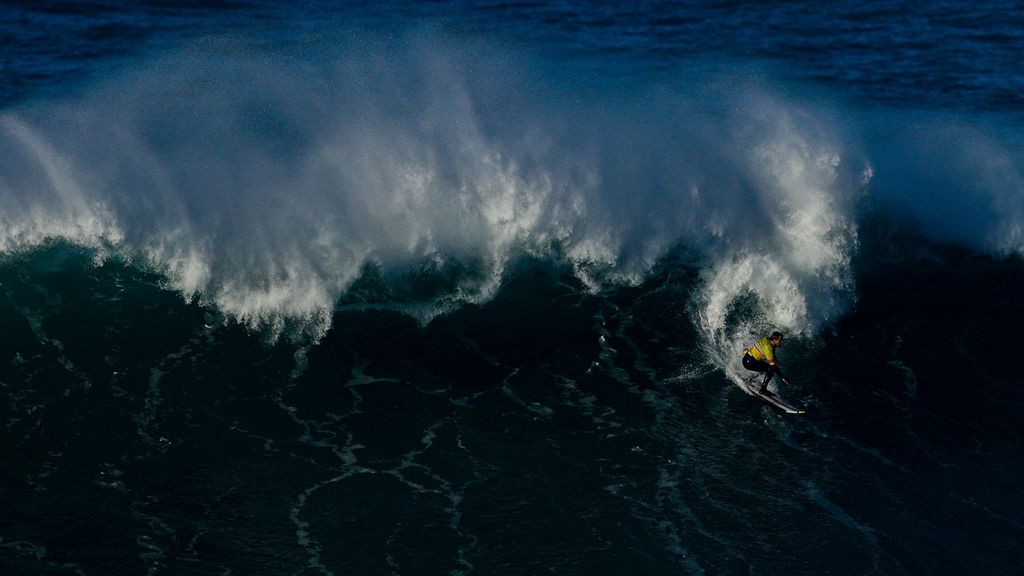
<point>265,185</point>
<point>264,180</point>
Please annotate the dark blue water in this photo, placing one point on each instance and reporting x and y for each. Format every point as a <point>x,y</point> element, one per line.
<point>463,288</point>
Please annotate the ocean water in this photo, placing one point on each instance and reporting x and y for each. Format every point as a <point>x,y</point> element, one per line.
<point>462,287</point>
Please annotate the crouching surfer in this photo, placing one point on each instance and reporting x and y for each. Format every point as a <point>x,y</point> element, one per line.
<point>761,358</point>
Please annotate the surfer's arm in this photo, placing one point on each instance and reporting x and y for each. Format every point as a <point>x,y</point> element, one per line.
<point>778,370</point>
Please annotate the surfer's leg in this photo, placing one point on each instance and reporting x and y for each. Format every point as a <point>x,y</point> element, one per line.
<point>768,374</point>
<point>753,364</point>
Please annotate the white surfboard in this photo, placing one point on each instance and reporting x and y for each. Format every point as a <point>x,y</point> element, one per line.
<point>751,385</point>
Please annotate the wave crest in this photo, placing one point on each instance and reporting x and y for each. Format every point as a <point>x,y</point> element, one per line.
<point>266,185</point>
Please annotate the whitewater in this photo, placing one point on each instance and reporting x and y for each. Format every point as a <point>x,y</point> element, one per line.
<point>413,295</point>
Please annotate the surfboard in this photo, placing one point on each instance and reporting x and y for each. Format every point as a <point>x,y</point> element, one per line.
<point>750,386</point>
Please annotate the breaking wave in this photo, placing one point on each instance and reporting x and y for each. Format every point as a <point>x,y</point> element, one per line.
<point>266,185</point>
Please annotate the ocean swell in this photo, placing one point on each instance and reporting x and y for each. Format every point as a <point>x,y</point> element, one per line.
<point>266,184</point>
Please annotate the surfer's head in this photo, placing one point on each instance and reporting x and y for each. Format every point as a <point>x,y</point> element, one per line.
<point>776,338</point>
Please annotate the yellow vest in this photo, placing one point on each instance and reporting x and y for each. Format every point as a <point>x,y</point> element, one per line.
<point>764,350</point>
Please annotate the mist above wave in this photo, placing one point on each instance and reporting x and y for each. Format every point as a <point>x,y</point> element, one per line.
<point>264,181</point>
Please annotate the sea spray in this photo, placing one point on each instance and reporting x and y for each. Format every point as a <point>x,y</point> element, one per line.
<point>793,273</point>
<point>950,180</point>
<point>265,185</point>
<point>41,196</point>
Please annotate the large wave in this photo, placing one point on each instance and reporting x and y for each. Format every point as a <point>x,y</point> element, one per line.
<point>265,182</point>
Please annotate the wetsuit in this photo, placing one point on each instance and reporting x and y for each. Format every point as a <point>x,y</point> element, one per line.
<point>760,358</point>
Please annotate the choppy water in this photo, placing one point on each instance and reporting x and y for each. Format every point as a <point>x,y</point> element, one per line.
<point>462,288</point>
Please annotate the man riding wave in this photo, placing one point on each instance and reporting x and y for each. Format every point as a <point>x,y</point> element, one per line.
<point>761,358</point>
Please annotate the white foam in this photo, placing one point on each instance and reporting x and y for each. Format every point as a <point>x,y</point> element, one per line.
<point>793,268</point>
<point>265,182</point>
<point>41,194</point>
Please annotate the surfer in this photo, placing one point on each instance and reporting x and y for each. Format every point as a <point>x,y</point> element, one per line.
<point>761,358</point>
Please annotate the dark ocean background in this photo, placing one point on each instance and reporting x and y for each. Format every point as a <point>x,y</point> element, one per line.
<point>455,287</point>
